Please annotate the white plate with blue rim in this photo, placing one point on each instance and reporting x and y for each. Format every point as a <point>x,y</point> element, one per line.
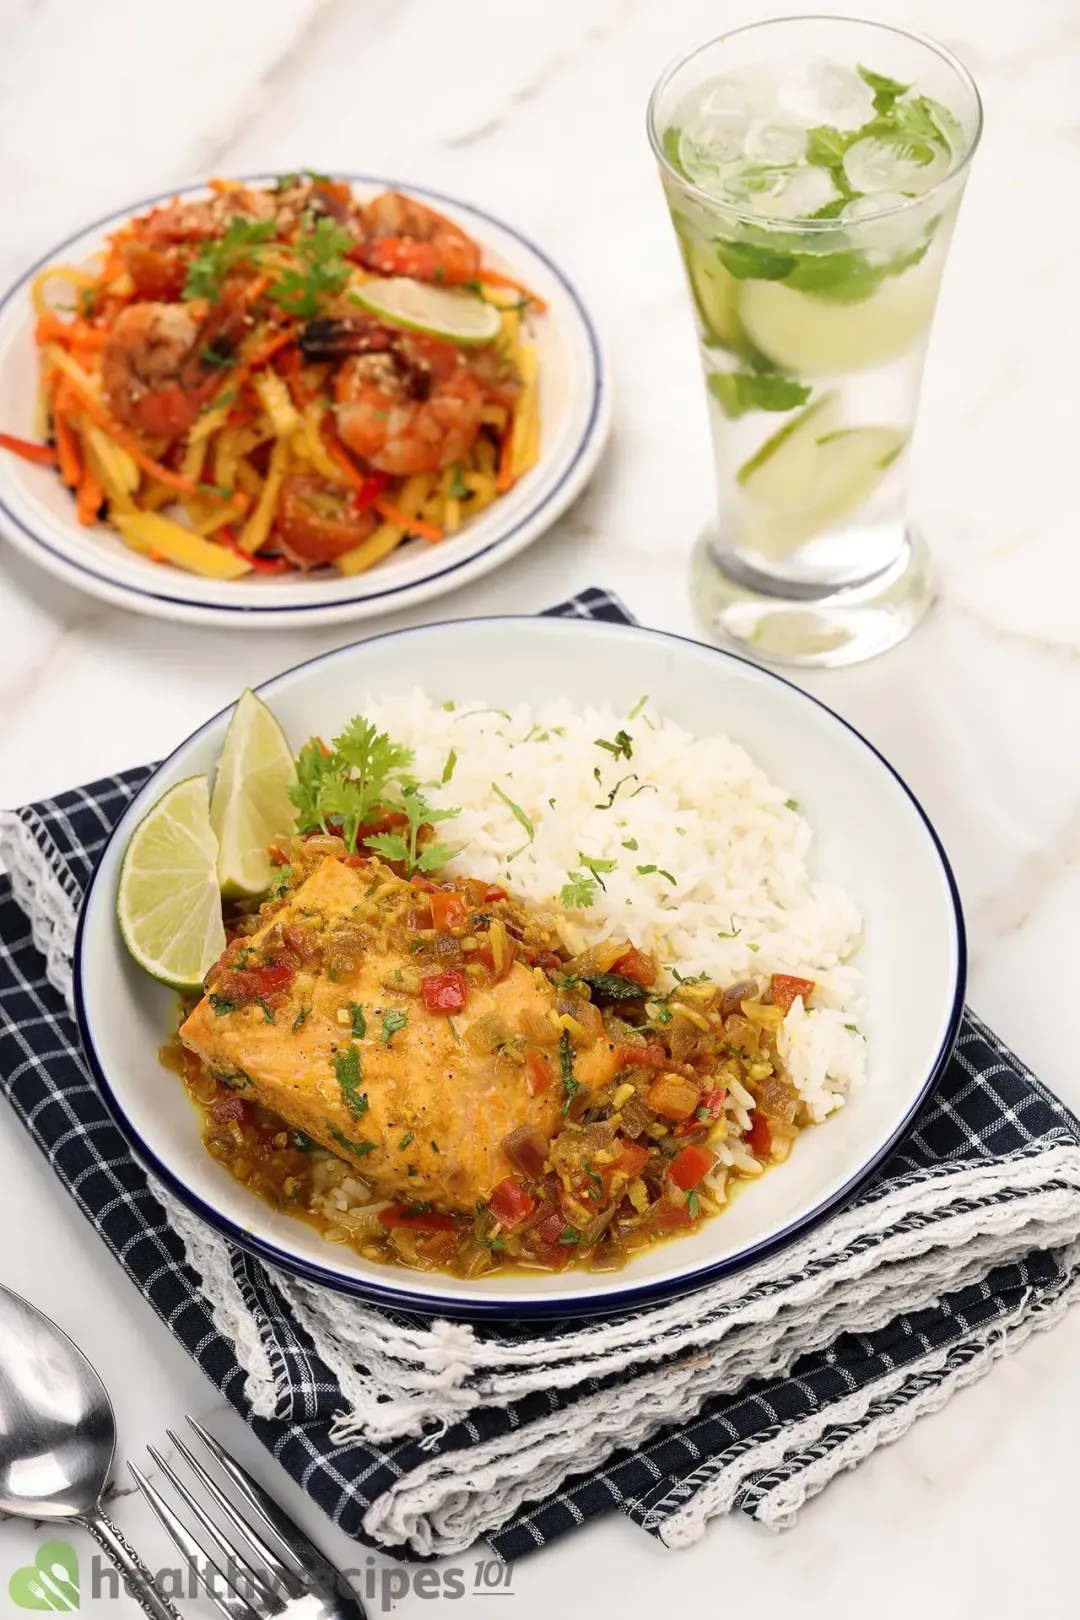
<point>867,825</point>
<point>37,514</point>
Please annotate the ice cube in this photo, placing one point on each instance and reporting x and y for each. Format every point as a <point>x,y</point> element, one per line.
<point>768,141</point>
<point>881,237</point>
<point>827,93</point>
<point>876,164</point>
<point>801,193</point>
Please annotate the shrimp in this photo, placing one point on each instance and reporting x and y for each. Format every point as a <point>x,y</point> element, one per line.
<point>159,367</point>
<point>404,403</point>
<point>406,239</point>
<point>317,521</point>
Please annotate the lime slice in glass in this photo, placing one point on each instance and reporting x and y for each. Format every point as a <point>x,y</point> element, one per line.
<point>784,470</point>
<point>441,312</point>
<point>251,807</point>
<point>810,336</point>
<point>169,904</point>
<point>838,472</point>
<point>714,293</point>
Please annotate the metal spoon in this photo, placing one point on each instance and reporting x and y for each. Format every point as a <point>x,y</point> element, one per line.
<point>57,1434</point>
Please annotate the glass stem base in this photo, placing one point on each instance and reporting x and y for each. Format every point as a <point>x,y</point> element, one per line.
<point>825,629</point>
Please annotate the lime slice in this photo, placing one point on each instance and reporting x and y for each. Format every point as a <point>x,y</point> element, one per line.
<point>836,473</point>
<point>784,470</point>
<point>441,312</point>
<point>714,294</point>
<point>817,337</point>
<point>251,805</point>
<point>169,904</point>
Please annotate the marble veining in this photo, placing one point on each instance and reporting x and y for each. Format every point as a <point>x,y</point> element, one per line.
<point>536,111</point>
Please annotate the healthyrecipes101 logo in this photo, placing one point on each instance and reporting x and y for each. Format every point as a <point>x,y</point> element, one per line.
<point>50,1582</point>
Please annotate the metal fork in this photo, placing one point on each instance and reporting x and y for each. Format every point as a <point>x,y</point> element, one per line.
<point>307,1588</point>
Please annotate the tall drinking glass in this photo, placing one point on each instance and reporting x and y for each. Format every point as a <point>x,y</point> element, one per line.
<point>813,167</point>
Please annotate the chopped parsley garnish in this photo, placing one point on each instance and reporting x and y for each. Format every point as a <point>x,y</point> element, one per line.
<point>596,1191</point>
<point>392,1022</point>
<point>612,796</point>
<point>660,872</point>
<point>692,1205</point>
<point>454,1033</point>
<point>516,811</point>
<point>221,1005</point>
<point>241,242</point>
<point>791,804</point>
<point>448,768</point>
<point>571,1084</point>
<point>298,1021</point>
<point>752,947</point>
<point>570,1235</point>
<point>578,890</point>
<point>638,706</point>
<point>321,248</point>
<point>405,1140</point>
<point>594,865</point>
<point>459,490</point>
<point>621,748</point>
<point>732,933</point>
<point>359,1148</point>
<point>434,1147</point>
<point>267,1010</point>
<point>630,843</point>
<point>214,357</point>
<point>359,1022</point>
<point>350,1079</point>
<point>396,847</point>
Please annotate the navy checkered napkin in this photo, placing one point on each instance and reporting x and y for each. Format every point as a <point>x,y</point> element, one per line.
<point>762,1441</point>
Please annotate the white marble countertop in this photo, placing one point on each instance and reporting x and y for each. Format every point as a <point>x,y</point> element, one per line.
<point>535,109</point>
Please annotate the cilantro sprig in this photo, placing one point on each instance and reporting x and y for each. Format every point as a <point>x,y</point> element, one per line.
<point>321,248</point>
<point>240,243</point>
<point>403,846</point>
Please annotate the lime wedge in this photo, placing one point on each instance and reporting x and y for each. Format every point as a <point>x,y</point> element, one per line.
<point>714,293</point>
<point>817,337</point>
<point>838,472</point>
<point>251,805</point>
<point>460,317</point>
<point>169,905</point>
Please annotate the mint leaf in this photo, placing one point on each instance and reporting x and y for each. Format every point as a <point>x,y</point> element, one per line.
<point>750,260</point>
<point>830,210</point>
<point>669,144</point>
<point>741,391</point>
<point>826,146</point>
<point>886,90</point>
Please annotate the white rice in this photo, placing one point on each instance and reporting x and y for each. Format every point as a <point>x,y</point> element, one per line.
<point>732,897</point>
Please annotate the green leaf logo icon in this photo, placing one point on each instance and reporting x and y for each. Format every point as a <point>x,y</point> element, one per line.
<point>50,1582</point>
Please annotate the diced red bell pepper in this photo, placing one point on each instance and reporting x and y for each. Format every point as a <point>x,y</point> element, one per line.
<point>759,1136</point>
<point>650,1055</point>
<point>257,983</point>
<point>510,1203</point>
<point>637,966</point>
<point>671,1217</point>
<point>690,1166</point>
<point>444,992</point>
<point>537,1072</point>
<point>421,1220</point>
<point>551,1228</point>
<point>710,1107</point>
<point>370,490</point>
<point>786,989</point>
<point>448,910</point>
<point>491,895</point>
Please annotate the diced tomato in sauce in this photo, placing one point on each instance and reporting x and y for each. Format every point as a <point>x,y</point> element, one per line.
<point>650,1055</point>
<point>710,1107</point>
<point>421,1220</point>
<point>228,1110</point>
<point>537,1072</point>
<point>631,1161</point>
<point>255,984</point>
<point>671,1217</point>
<point>786,990</point>
<point>672,1097</point>
<point>759,1136</point>
<point>637,966</point>
<point>491,895</point>
<point>551,1228</point>
<point>510,1203</point>
<point>448,910</point>
<point>691,1166</point>
<point>444,992</point>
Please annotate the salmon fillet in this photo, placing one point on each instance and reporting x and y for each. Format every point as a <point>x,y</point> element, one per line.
<point>347,1051</point>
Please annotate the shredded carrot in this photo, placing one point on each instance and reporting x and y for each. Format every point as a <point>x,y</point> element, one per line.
<point>414,525</point>
<point>90,496</point>
<point>255,290</point>
<point>495,278</point>
<point>339,453</point>
<point>67,440</point>
<point>127,441</point>
<point>42,455</point>
<point>504,478</point>
<point>268,350</point>
<point>288,363</point>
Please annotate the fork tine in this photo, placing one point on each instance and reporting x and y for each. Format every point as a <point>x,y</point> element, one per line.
<point>264,1594</point>
<point>273,1516</point>
<point>231,1605</point>
<point>286,1577</point>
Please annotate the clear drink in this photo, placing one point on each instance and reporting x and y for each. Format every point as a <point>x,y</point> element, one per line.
<point>813,169</point>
